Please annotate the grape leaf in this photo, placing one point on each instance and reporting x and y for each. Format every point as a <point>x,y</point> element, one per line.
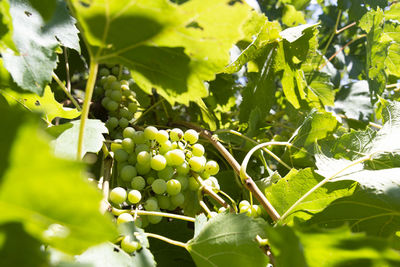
<point>32,67</point>
<point>353,99</point>
<point>47,195</point>
<point>393,12</point>
<point>377,49</point>
<point>46,8</point>
<point>291,17</point>
<point>45,104</point>
<point>66,144</point>
<point>12,235</point>
<point>228,240</point>
<point>6,28</point>
<point>336,247</point>
<point>191,41</point>
<point>295,184</point>
<point>393,60</point>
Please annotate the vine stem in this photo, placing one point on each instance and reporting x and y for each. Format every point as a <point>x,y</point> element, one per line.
<point>166,239</point>
<point>86,105</point>
<point>312,190</point>
<point>164,214</point>
<point>66,91</point>
<point>333,33</point>
<point>248,182</point>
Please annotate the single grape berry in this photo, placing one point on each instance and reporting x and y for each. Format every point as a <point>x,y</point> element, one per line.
<point>129,245</point>
<point>127,173</point>
<point>158,162</point>
<point>138,183</point>
<point>139,138</point>
<point>163,201</point>
<point>159,186</point>
<point>128,132</point>
<point>151,204</point>
<point>166,173</point>
<point>121,155</point>
<point>162,136</point>
<point>197,164</point>
<point>176,157</point>
<point>154,219</point>
<point>198,150</point>
<point>112,105</point>
<point>178,199</point>
<point>193,184</point>
<point>112,123</point>
<point>143,157</point>
<point>118,195</point>
<point>183,168</point>
<point>123,122</point>
<point>132,107</point>
<point>173,187</point>
<point>134,196</point>
<point>128,145</point>
<point>191,136</point>
<point>165,147</point>
<point>116,96</point>
<point>143,169</point>
<point>124,217</point>
<point>150,132</point>
<point>176,134</point>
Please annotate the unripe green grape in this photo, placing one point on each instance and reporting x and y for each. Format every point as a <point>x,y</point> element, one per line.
<point>150,179</point>
<point>121,155</point>
<point>212,167</point>
<point>116,145</point>
<point>145,221</point>
<point>176,134</point>
<point>198,150</point>
<point>105,101</point>
<point>115,85</point>
<point>197,164</point>
<point>251,212</point>
<point>184,181</point>
<point>173,187</point>
<point>193,184</point>
<point>124,217</point>
<point>204,175</point>
<point>163,201</point>
<point>191,136</point>
<point>116,96</point>
<point>132,107</point>
<point>121,165</point>
<point>174,145</point>
<point>138,183</point>
<point>127,173</point>
<point>159,186</point>
<point>103,80</point>
<point>151,204</point>
<point>107,93</point>
<point>214,182</point>
<point>154,219</point>
<point>244,209</point>
<point>128,145</point>
<point>107,85</point>
<point>115,70</point>
<point>129,245</point>
<point>132,159</point>
<point>166,173</point>
<point>143,169</point>
<point>165,147</point>
<point>183,168</point>
<point>118,195</point>
<point>112,105</point>
<point>178,199</point>
<point>123,123</point>
<point>158,163</point>
<point>150,132</point>
<point>257,209</point>
<point>128,132</point>
<point>124,112</point>
<point>134,196</point>
<point>111,79</point>
<point>177,157</point>
<point>162,136</point>
<point>141,147</point>
<point>143,157</point>
<point>139,138</point>
<point>112,123</point>
<point>243,203</point>
<point>104,72</point>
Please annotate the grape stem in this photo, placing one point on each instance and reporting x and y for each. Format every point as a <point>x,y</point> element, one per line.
<point>164,214</point>
<point>65,89</point>
<point>106,169</point>
<point>86,105</point>
<point>166,239</point>
<point>248,181</point>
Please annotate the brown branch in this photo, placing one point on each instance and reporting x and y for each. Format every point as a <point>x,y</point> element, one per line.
<point>248,182</point>
<point>346,27</point>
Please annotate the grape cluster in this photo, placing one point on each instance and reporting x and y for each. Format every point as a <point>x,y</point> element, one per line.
<point>156,168</point>
<point>118,99</point>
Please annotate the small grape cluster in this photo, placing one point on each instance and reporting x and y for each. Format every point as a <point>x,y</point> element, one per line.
<point>156,168</point>
<point>119,99</point>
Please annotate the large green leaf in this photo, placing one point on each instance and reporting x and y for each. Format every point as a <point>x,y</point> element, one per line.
<point>32,67</point>
<point>228,240</point>
<point>393,12</point>
<point>295,184</point>
<point>45,104</point>
<point>291,17</point>
<point>336,247</point>
<point>47,195</point>
<point>66,144</point>
<point>191,41</point>
<point>6,28</point>
<point>377,49</point>
<point>12,237</point>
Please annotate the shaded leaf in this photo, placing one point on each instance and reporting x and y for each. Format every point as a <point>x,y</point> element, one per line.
<point>6,28</point>
<point>53,201</point>
<point>291,17</point>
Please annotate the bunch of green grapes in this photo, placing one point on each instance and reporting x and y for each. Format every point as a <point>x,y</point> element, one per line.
<point>156,168</point>
<point>119,99</point>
